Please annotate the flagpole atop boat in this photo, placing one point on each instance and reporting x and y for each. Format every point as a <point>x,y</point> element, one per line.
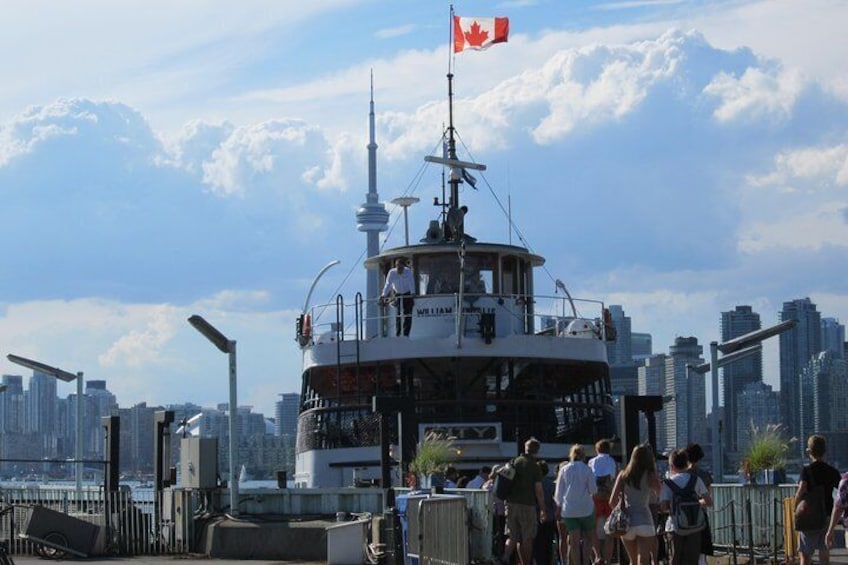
<point>456,166</point>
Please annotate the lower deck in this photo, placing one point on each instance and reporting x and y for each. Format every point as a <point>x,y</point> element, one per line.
<point>487,406</point>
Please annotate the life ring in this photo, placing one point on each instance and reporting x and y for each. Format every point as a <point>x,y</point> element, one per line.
<point>307,327</point>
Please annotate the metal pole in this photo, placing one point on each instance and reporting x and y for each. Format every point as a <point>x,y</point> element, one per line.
<point>406,225</point>
<point>749,519</point>
<point>733,529</point>
<point>234,495</point>
<point>78,448</point>
<point>717,470</point>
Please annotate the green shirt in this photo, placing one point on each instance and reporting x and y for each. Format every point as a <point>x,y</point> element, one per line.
<point>527,474</point>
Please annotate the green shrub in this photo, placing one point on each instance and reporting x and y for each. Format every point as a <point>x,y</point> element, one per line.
<point>433,455</point>
<point>768,448</point>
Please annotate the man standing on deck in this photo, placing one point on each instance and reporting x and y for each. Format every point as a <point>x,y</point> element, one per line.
<point>401,282</point>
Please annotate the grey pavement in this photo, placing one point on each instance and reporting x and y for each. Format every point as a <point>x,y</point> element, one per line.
<point>837,556</point>
<point>154,560</point>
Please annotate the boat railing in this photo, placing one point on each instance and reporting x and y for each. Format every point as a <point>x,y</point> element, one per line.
<point>485,316</point>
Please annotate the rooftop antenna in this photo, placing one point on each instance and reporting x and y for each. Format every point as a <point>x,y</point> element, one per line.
<point>405,202</point>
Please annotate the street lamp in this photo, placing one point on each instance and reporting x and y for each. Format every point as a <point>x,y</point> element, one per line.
<point>67,377</point>
<point>734,349</point>
<point>405,202</point>
<point>228,346</point>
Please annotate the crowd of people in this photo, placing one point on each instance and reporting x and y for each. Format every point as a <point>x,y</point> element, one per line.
<point>559,517</point>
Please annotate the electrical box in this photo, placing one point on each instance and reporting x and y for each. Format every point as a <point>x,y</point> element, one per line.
<point>199,462</point>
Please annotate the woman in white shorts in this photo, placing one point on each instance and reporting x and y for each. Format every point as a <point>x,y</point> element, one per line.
<point>639,484</point>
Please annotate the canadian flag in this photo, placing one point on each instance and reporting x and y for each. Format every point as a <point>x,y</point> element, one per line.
<point>478,33</point>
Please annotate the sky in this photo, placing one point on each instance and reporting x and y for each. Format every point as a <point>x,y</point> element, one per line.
<point>160,159</point>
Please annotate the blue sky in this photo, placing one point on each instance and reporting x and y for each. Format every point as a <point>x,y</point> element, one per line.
<point>160,160</point>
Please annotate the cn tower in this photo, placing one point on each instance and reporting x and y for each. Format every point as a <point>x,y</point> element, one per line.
<point>372,218</point>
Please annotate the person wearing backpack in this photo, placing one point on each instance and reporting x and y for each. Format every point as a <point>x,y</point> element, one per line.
<point>525,505</point>
<point>684,496</point>
<point>822,476</point>
<point>696,453</point>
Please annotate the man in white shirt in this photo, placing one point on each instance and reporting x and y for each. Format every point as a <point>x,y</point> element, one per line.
<point>401,282</point>
<point>481,478</point>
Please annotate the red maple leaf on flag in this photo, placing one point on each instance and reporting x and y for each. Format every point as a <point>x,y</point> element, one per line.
<point>475,36</point>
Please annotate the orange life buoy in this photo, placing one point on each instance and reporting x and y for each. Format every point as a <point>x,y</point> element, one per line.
<point>307,326</point>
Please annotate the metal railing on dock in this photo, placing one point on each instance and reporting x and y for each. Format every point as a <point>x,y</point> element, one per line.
<point>127,522</point>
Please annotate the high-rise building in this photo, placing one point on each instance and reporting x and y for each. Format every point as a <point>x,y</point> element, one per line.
<point>40,414</point>
<point>797,347</point>
<point>651,381</point>
<point>11,421</point>
<point>824,395</point>
<point>285,418</point>
<point>619,351</point>
<point>641,346</point>
<point>739,374</point>
<point>758,407</point>
<point>833,337</point>
<point>686,411</point>
<point>99,403</point>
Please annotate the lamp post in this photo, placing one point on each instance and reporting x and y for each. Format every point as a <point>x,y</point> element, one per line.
<point>228,346</point>
<point>2,454</point>
<point>67,377</point>
<point>405,202</point>
<point>733,350</point>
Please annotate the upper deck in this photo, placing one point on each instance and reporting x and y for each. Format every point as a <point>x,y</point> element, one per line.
<point>471,300</point>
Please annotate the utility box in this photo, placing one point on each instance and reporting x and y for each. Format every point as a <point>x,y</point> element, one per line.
<point>199,462</point>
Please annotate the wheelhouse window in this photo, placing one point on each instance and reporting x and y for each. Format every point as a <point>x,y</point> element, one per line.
<point>439,274</point>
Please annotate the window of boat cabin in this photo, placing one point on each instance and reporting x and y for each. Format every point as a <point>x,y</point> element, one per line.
<point>514,275</point>
<point>439,274</point>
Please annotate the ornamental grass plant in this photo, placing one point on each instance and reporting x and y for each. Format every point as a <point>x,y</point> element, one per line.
<point>768,448</point>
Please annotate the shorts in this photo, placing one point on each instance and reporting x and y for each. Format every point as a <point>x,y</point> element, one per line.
<point>643,531</point>
<point>811,541</point>
<point>584,524</point>
<point>521,521</point>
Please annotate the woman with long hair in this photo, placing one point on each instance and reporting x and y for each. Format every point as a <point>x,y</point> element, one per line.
<point>638,485</point>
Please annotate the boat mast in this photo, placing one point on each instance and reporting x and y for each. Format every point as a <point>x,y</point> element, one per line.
<point>455,216</point>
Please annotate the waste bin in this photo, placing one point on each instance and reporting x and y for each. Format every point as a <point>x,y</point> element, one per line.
<point>402,503</point>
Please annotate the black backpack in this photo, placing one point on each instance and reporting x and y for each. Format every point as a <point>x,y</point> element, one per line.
<point>686,511</point>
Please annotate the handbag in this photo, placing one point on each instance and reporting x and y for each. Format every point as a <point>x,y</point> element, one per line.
<point>618,521</point>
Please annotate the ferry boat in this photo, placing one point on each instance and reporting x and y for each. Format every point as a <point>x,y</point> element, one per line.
<point>487,364</point>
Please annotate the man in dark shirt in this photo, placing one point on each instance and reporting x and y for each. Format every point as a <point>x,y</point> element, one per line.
<point>525,505</point>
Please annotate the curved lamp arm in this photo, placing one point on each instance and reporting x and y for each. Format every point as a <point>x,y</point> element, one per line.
<point>560,285</point>
<point>320,274</point>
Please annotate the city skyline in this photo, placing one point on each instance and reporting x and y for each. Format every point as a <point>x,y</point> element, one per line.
<point>159,161</point>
